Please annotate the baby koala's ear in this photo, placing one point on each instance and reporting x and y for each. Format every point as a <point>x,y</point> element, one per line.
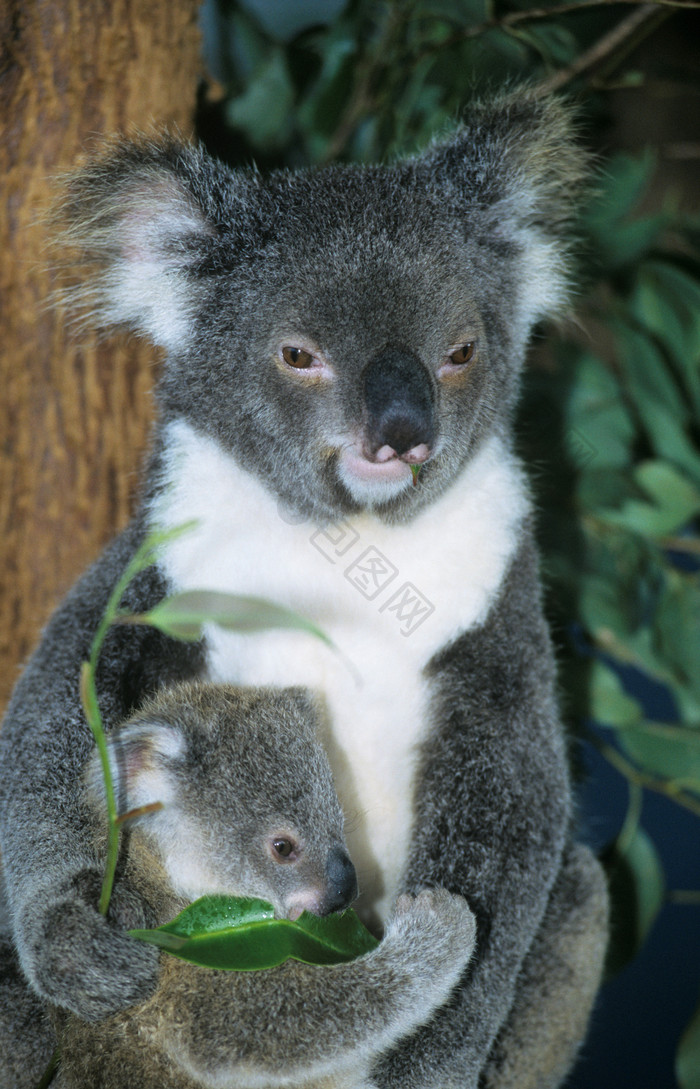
<point>143,758</point>
<point>150,221</point>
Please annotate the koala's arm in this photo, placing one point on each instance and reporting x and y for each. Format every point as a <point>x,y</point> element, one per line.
<point>492,817</point>
<point>304,1021</point>
<point>70,954</point>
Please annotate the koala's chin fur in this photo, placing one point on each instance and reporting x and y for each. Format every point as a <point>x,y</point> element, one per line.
<point>344,349</point>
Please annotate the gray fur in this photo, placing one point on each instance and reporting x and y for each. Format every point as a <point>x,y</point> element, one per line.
<point>464,244</point>
<point>27,1039</point>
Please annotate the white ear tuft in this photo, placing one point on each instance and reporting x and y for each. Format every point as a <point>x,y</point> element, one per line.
<point>140,759</point>
<point>147,287</point>
<point>136,220</point>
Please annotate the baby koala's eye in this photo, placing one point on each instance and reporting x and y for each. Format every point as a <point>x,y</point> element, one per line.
<point>297,357</point>
<point>284,849</point>
<point>463,355</point>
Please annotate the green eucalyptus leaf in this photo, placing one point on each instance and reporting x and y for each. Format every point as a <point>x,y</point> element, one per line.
<point>668,487</point>
<point>609,605</point>
<point>183,616</point>
<point>598,490</point>
<point>666,299</point>
<point>616,238</point>
<point>213,913</point>
<point>263,111</point>
<point>599,431</point>
<point>648,376</point>
<point>664,750</point>
<point>242,935</point>
<point>677,626</point>
<point>688,1055</point>
<point>551,40</point>
<point>610,704</point>
<point>637,893</point>
<point>620,185</point>
<point>658,399</point>
<point>675,501</point>
<point>629,242</point>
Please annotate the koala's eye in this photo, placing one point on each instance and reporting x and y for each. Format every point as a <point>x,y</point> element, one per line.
<point>297,357</point>
<point>463,355</point>
<point>284,849</point>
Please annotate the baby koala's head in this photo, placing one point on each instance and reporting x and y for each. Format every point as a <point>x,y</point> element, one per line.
<point>248,802</point>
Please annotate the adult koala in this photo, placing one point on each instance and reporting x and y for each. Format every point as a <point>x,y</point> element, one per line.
<point>344,349</point>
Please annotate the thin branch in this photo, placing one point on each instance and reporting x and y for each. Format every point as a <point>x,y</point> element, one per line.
<point>50,1072</point>
<point>370,67</point>
<point>361,101</point>
<point>606,640</point>
<point>649,782</point>
<point>681,544</point>
<point>514,18</point>
<point>684,896</point>
<point>643,19</point>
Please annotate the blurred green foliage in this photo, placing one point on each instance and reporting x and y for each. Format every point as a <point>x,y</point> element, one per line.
<point>611,406</point>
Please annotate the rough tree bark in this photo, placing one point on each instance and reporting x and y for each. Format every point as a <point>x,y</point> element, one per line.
<point>74,413</point>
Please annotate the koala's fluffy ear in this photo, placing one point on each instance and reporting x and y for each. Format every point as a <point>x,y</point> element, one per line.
<point>515,172</point>
<point>143,758</point>
<point>146,219</point>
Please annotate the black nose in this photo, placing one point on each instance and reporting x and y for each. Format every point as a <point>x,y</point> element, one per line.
<point>341,882</point>
<point>399,402</point>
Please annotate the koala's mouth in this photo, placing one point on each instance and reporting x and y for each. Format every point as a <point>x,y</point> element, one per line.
<point>380,476</point>
<point>366,469</point>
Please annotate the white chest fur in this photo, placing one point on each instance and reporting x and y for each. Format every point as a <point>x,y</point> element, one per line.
<point>388,597</point>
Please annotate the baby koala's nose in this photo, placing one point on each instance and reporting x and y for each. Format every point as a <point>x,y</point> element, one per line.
<point>341,882</point>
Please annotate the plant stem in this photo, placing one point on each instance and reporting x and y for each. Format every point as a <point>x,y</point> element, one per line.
<point>634,775</point>
<point>50,1072</point>
<point>92,713</point>
<point>514,18</point>
<point>142,558</point>
<point>641,21</point>
<point>684,896</point>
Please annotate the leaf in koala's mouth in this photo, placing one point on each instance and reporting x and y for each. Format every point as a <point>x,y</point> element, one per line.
<point>415,469</point>
<point>243,935</point>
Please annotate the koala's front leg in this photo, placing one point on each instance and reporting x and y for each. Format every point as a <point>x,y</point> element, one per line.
<point>491,818</point>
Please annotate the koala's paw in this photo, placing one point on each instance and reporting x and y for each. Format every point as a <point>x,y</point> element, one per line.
<point>439,923</point>
<point>84,962</point>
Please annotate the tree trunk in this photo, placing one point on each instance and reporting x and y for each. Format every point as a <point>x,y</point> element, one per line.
<point>74,413</point>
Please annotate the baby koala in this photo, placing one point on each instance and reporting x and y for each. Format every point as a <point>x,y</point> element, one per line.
<point>249,809</point>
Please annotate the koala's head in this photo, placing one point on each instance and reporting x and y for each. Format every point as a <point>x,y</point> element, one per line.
<point>333,328</point>
<point>248,802</point>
